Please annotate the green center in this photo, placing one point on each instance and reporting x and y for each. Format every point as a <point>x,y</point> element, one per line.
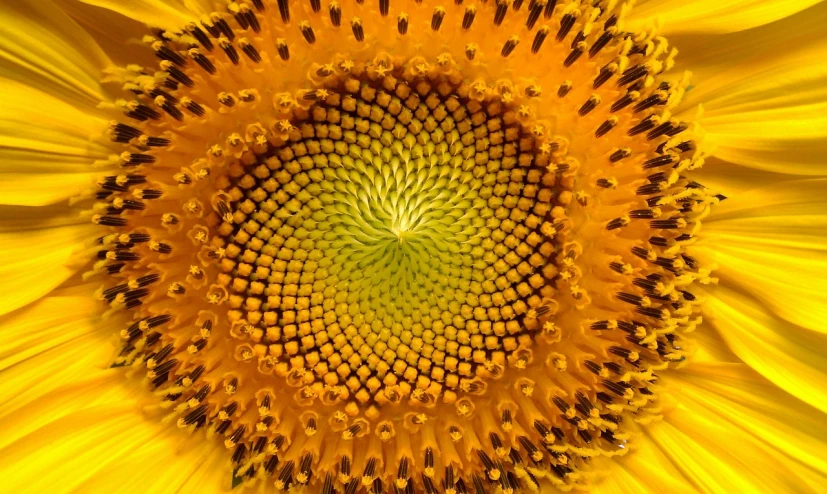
<point>410,230</point>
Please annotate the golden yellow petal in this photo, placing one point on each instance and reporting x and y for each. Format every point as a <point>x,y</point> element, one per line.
<point>712,16</point>
<point>41,46</point>
<point>772,243</point>
<point>788,355</point>
<point>167,14</point>
<point>45,150</point>
<point>742,398</point>
<point>763,93</point>
<point>33,263</point>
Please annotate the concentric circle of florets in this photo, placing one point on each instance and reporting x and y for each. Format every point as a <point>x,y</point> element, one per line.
<point>404,247</point>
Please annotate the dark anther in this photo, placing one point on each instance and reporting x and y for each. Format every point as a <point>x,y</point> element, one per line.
<point>204,62</point>
<point>284,10</point>
<point>622,103</point>
<point>615,224</point>
<point>143,112</point>
<point>605,74</point>
<point>649,102</point>
<point>620,154</point>
<point>252,20</point>
<point>172,110</point>
<point>669,224</point>
<point>316,5</point>
<point>214,31</point>
<point>539,38</point>
<point>573,56</point>
<point>566,23</point>
<point>588,106</point>
<point>605,127</point>
<point>358,30</point>
<point>402,24</point>
<point>648,189</point>
<point>335,14</point>
<point>534,11</point>
<point>601,42</point>
<point>468,17</point>
<point>259,5</point>
<point>202,37</point>
<point>195,108</point>
<point>662,160</point>
<point>225,28</point>
<point>308,33</point>
<point>242,20</point>
<point>384,7</point>
<point>179,76</point>
<point>631,74</point>
<point>509,46</point>
<point>231,52</point>
<point>165,53</point>
<point>251,52</point>
<point>644,125</point>
<point>502,9</point>
<point>437,17</point>
<point>284,51</point>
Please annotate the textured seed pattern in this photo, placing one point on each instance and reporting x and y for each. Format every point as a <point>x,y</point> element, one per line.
<point>403,247</point>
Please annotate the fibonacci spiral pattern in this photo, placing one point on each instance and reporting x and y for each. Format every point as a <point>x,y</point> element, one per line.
<point>453,266</point>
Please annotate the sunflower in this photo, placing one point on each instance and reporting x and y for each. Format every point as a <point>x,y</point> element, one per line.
<point>406,246</point>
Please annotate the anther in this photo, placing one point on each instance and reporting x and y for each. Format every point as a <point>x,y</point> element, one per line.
<point>534,11</point>
<point>539,38</point>
<point>632,74</point>
<point>284,51</point>
<point>307,32</point>
<point>566,23</point>
<point>589,105</point>
<point>165,53</point>
<point>606,126</point>
<point>437,17</point>
<point>469,16</point>
<point>203,61</point>
<point>574,55</point>
<point>502,9</point>
<point>249,50</point>
<point>201,36</point>
<point>402,23</point>
<point>602,41</point>
<point>358,30</point>
<point>335,13</point>
<point>284,10</point>
<point>509,46</point>
<point>229,49</point>
<point>384,7</point>
<point>643,126</point>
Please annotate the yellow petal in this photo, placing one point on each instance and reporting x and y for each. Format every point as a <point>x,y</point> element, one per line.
<point>38,189</point>
<point>73,424</point>
<point>763,93</point>
<point>712,16</point>
<point>45,142</point>
<point>44,48</point>
<point>789,356</point>
<point>167,14</point>
<point>772,243</point>
<point>33,263</point>
<point>21,218</point>
<point>110,447</point>
<point>645,469</point>
<point>769,416</point>
<point>53,341</point>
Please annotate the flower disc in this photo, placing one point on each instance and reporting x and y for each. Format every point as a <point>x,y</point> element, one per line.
<point>400,247</point>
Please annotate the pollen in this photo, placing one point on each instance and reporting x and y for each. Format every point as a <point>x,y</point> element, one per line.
<point>390,246</point>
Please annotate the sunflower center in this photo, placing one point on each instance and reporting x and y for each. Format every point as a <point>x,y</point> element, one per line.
<point>362,269</point>
<point>401,230</point>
